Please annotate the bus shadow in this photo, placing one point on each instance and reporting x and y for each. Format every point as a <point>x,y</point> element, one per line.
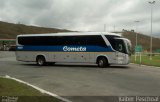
<point>77,66</point>
<point>61,65</point>
<point>90,66</point>
<point>119,67</point>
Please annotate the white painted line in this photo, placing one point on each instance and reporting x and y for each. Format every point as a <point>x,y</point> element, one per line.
<point>37,88</point>
<point>144,65</point>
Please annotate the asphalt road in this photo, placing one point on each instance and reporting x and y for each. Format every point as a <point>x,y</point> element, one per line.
<point>70,80</point>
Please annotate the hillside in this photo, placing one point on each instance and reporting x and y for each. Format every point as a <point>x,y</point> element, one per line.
<point>10,30</point>
<point>143,40</point>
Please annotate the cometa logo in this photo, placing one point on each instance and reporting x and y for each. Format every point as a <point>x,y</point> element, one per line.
<point>74,49</point>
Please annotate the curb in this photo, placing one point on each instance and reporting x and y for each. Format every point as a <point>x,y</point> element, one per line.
<point>37,88</point>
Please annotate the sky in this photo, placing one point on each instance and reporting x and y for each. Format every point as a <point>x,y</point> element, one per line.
<point>84,15</point>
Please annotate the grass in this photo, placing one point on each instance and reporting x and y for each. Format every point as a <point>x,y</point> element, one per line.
<point>24,93</point>
<point>146,60</point>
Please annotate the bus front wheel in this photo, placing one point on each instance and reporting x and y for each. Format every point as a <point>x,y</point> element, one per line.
<point>102,62</point>
<point>40,60</point>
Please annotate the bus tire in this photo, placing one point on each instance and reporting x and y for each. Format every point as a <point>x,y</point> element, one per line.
<point>102,62</point>
<point>40,60</point>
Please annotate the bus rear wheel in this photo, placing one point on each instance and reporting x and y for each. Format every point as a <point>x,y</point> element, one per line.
<point>41,61</point>
<point>102,62</point>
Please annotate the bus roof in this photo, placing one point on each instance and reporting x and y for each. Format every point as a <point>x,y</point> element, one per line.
<point>70,34</point>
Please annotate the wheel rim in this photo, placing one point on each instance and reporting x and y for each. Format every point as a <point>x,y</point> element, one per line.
<point>40,61</point>
<point>101,63</point>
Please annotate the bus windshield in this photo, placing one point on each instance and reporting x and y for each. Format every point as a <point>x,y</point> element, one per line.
<point>120,46</point>
<point>123,45</point>
<point>128,46</point>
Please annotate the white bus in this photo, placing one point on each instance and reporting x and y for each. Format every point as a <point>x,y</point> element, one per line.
<point>100,48</point>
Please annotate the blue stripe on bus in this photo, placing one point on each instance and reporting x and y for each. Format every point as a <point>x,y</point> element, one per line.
<point>65,48</point>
